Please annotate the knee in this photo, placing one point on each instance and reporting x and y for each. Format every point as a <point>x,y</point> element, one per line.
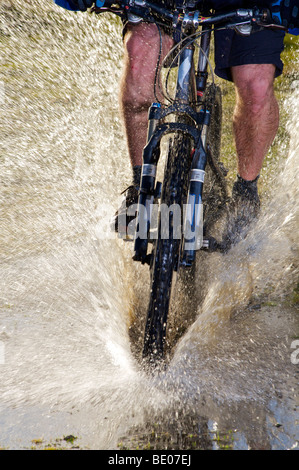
<point>255,91</point>
<point>255,95</point>
<point>135,95</point>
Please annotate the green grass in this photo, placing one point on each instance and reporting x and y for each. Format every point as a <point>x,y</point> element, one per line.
<point>64,443</point>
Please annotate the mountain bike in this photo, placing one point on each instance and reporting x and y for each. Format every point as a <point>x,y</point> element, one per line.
<point>193,192</point>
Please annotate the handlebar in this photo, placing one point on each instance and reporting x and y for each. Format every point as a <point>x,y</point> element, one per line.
<point>189,19</point>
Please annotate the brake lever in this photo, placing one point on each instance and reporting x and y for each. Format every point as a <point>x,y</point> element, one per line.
<point>274,26</point>
<point>266,21</point>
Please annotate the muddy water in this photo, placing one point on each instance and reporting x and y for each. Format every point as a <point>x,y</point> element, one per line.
<point>69,292</point>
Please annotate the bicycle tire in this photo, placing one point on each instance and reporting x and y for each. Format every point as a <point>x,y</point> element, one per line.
<point>215,189</point>
<point>192,283</point>
<point>166,252</point>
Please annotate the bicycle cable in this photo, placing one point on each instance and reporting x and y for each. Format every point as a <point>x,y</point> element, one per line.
<point>157,71</point>
<point>196,35</point>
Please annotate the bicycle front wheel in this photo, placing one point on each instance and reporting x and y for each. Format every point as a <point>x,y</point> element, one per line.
<point>166,251</point>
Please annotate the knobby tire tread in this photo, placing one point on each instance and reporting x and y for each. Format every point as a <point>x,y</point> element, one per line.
<point>166,251</point>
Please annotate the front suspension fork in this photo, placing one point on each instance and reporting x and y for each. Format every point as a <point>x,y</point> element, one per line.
<point>193,217</point>
<point>148,187</point>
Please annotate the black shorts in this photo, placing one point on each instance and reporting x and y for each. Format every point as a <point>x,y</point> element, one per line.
<point>231,49</point>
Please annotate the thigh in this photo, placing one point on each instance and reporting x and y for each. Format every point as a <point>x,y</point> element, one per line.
<point>263,47</point>
<point>143,44</point>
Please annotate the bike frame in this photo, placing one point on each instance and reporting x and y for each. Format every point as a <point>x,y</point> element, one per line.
<point>191,82</point>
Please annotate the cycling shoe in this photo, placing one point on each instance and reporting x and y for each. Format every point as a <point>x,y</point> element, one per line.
<point>123,217</point>
<point>243,210</point>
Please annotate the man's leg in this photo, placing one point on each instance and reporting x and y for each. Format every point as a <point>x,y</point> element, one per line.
<point>142,45</point>
<point>255,123</point>
<point>256,116</point>
<point>142,48</point>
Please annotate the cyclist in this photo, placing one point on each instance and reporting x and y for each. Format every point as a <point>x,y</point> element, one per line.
<point>252,63</point>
